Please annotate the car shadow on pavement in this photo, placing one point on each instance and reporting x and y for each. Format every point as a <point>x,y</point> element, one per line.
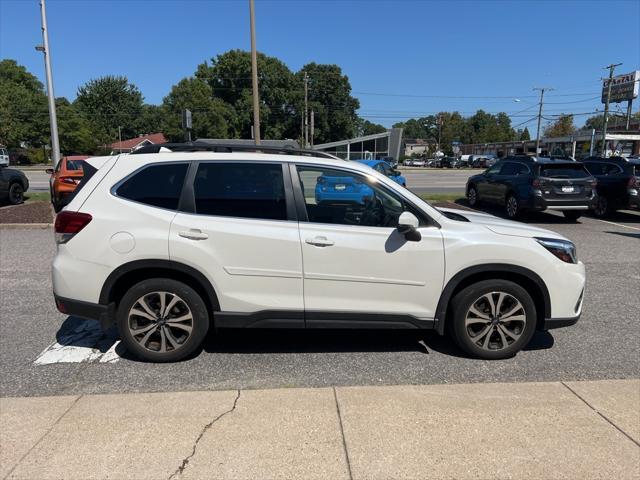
<point>337,341</point>
<point>626,234</point>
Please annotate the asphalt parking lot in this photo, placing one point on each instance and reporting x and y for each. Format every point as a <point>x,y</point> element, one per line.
<point>603,345</point>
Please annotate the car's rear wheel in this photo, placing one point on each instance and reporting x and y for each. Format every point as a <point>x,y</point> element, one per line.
<point>602,208</point>
<point>572,215</point>
<point>493,319</point>
<point>162,320</point>
<point>512,207</point>
<point>16,193</point>
<point>472,196</point>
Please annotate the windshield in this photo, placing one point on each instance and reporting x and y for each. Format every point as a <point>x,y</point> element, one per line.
<point>563,171</point>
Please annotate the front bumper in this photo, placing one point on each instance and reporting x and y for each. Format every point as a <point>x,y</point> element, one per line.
<point>105,314</point>
<point>551,323</point>
<point>634,197</point>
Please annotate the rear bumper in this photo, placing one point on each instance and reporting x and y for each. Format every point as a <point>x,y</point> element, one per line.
<point>542,203</point>
<point>551,323</point>
<point>105,314</point>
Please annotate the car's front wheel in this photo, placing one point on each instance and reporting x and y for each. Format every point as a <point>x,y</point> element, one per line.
<point>162,320</point>
<point>493,319</point>
<point>602,208</point>
<point>16,193</point>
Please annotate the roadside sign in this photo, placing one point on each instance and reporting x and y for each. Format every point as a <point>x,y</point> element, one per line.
<point>623,88</point>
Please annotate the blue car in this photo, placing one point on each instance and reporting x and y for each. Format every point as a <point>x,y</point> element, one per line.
<point>349,189</point>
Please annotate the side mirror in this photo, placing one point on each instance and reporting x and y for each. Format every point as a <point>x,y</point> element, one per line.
<point>407,226</point>
<point>49,171</point>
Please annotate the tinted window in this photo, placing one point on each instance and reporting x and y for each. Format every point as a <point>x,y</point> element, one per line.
<point>156,185</point>
<point>595,168</point>
<point>563,170</point>
<point>249,190</point>
<point>346,198</point>
<point>75,164</point>
<point>509,169</point>
<point>495,169</point>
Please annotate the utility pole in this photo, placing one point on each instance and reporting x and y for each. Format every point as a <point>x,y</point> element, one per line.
<point>120,139</point>
<point>439,130</point>
<point>53,119</point>
<point>611,68</point>
<point>306,117</point>
<point>254,75</point>
<point>312,127</point>
<point>542,90</point>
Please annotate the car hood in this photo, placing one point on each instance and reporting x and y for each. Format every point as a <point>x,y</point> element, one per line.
<point>502,226</point>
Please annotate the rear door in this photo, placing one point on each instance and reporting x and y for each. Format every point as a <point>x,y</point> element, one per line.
<point>241,232</point>
<point>569,181</point>
<point>487,187</point>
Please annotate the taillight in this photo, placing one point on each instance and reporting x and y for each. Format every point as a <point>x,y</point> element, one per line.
<point>68,180</point>
<point>68,224</point>
<point>536,183</point>
<point>593,182</point>
<point>633,182</point>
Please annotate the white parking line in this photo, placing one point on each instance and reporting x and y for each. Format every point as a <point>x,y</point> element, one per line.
<point>618,224</point>
<point>80,341</point>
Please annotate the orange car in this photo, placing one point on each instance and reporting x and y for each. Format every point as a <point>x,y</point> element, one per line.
<point>65,178</point>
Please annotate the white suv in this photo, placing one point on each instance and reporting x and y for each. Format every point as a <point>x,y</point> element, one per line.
<point>169,244</point>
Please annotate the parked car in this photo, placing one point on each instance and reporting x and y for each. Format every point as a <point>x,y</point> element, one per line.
<point>173,244</point>
<point>464,161</point>
<point>415,162</point>
<point>65,179</point>
<point>13,185</point>
<point>336,188</point>
<point>523,183</point>
<point>618,183</point>
<point>4,156</point>
<point>450,162</point>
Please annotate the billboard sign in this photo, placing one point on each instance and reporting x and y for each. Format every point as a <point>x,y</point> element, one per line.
<point>623,87</point>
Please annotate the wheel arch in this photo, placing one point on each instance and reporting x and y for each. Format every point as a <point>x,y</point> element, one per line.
<point>524,277</point>
<point>128,274</point>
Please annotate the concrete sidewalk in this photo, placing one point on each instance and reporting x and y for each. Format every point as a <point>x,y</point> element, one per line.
<point>526,430</point>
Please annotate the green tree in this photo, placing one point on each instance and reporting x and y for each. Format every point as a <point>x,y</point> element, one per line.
<point>23,107</point>
<point>152,120</point>
<point>74,130</point>
<point>562,127</point>
<point>365,127</point>
<point>330,98</point>
<point>425,128</point>
<point>229,77</point>
<point>110,102</point>
<point>211,117</point>
<point>524,135</point>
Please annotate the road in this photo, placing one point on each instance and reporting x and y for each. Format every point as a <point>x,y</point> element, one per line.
<point>604,344</point>
<point>420,181</point>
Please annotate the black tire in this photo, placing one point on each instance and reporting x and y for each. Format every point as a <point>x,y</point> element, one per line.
<point>188,299</point>
<point>572,215</point>
<point>16,193</point>
<point>463,301</point>
<point>512,207</point>
<point>472,197</point>
<point>602,208</point>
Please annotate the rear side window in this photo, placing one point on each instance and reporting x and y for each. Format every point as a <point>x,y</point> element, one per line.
<point>510,168</point>
<point>75,164</point>
<point>155,185</point>
<point>247,190</point>
<point>563,171</point>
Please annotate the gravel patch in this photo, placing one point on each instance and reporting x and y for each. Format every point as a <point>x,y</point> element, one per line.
<point>28,212</point>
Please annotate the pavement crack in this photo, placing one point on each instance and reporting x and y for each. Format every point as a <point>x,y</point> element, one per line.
<point>604,418</point>
<point>186,460</point>
<point>344,440</point>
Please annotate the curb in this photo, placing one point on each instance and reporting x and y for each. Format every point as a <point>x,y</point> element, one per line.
<point>16,226</point>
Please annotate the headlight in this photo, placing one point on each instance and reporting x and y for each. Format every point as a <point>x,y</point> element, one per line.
<point>563,249</point>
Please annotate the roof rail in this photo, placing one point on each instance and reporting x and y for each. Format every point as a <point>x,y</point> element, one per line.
<point>226,148</point>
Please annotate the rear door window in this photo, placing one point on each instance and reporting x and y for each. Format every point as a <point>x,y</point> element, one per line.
<point>158,185</point>
<point>565,170</point>
<point>246,190</point>
<point>75,164</point>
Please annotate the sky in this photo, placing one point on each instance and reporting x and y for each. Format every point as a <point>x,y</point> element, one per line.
<point>404,58</point>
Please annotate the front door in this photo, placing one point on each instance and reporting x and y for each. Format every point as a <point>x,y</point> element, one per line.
<point>243,237</point>
<point>357,266</point>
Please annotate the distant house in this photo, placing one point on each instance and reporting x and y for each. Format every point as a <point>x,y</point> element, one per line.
<point>415,147</point>
<point>128,146</point>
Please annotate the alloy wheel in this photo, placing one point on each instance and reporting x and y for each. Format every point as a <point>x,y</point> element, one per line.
<point>16,194</point>
<point>512,206</point>
<point>160,322</point>
<point>472,196</point>
<point>601,207</point>
<point>495,321</point>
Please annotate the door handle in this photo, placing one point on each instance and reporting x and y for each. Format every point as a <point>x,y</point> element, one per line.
<point>193,234</point>
<point>319,241</point>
